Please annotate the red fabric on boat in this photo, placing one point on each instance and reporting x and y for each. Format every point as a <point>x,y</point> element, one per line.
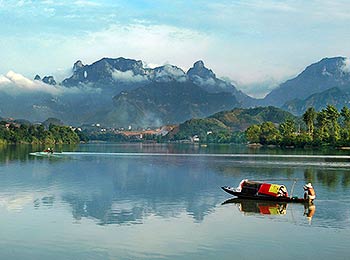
<point>269,189</point>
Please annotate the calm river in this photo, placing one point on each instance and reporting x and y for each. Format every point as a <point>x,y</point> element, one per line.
<point>108,201</point>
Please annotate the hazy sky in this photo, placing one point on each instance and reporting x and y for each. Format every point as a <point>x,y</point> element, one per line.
<point>254,43</point>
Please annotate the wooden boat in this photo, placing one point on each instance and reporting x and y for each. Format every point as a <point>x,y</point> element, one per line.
<point>48,151</point>
<point>262,191</point>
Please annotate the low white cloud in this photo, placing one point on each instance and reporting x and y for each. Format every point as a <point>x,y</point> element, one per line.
<point>150,65</point>
<point>204,82</point>
<point>14,83</point>
<point>258,89</point>
<point>127,76</point>
<point>20,80</point>
<point>346,65</point>
<point>169,72</point>
<point>4,80</point>
<point>82,88</point>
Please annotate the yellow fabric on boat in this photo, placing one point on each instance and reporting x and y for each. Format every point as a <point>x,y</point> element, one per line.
<point>274,188</point>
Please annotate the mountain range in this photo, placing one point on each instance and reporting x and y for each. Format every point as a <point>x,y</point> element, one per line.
<point>318,78</point>
<point>123,92</point>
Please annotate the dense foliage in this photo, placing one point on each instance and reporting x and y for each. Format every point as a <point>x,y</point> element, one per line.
<point>239,119</point>
<point>326,127</point>
<point>11,133</point>
<point>227,126</point>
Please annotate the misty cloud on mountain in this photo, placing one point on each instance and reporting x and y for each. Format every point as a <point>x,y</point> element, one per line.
<point>168,73</point>
<point>127,76</point>
<point>203,82</point>
<point>119,92</point>
<point>346,66</point>
<point>16,84</point>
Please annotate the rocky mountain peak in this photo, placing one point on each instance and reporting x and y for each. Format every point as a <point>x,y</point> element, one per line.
<point>102,72</point>
<point>114,75</point>
<point>121,64</point>
<point>49,80</point>
<point>77,65</point>
<point>337,67</point>
<point>198,64</point>
<point>316,78</point>
<point>199,70</point>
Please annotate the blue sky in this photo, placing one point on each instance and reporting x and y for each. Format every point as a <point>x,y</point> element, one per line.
<point>254,43</point>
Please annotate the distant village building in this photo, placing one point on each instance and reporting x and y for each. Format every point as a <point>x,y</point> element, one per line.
<point>195,139</point>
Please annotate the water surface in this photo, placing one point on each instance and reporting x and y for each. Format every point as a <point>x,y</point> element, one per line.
<point>105,201</point>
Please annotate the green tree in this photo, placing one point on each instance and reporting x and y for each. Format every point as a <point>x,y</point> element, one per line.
<point>303,139</point>
<point>332,116</point>
<point>345,114</point>
<point>82,136</point>
<point>269,133</point>
<point>345,130</point>
<point>309,118</point>
<point>287,127</point>
<point>4,134</point>
<point>40,133</point>
<point>238,137</point>
<point>253,133</point>
<point>287,130</point>
<point>321,134</point>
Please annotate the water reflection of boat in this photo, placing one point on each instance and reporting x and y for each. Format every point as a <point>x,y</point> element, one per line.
<point>260,207</point>
<point>262,191</point>
<point>309,211</point>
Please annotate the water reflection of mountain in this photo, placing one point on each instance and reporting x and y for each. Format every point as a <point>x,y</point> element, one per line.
<point>119,190</point>
<point>130,189</point>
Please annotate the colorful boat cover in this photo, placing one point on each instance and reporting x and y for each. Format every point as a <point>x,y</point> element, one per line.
<point>271,189</point>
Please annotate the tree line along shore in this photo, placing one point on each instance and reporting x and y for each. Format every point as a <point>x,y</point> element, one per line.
<point>14,133</point>
<point>328,127</point>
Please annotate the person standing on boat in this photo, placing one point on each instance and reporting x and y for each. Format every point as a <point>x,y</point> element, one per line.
<point>309,193</point>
